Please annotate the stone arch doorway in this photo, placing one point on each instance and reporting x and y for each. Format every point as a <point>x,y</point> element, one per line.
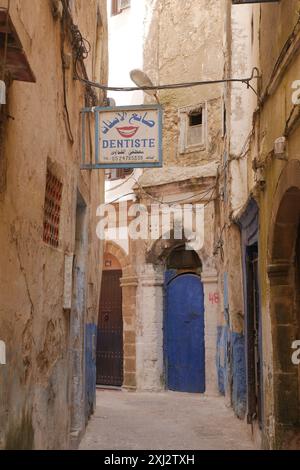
<point>151,368</point>
<point>117,262</point>
<point>184,341</point>
<point>284,275</point>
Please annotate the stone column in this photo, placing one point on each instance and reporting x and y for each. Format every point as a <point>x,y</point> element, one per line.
<point>150,364</point>
<point>284,332</point>
<point>212,305</point>
<point>129,288</point>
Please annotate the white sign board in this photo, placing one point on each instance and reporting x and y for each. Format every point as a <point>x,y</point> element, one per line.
<point>127,137</point>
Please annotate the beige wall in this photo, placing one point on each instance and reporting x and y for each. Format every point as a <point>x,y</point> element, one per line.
<point>35,383</point>
<point>279,71</point>
<point>271,39</point>
<point>184,44</point>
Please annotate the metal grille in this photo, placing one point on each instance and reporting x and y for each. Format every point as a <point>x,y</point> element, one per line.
<point>110,331</point>
<point>52,210</point>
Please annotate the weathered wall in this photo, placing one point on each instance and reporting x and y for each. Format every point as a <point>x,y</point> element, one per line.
<point>240,48</point>
<point>35,383</point>
<point>265,36</point>
<point>185,45</point>
<point>181,45</point>
<point>280,68</point>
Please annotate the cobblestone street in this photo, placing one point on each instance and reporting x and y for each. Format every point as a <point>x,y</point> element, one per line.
<point>164,421</point>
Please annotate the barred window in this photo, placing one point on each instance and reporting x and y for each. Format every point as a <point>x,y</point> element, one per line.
<point>52,210</point>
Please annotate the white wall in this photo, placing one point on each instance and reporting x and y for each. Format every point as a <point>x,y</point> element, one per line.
<point>243,101</point>
<point>126,51</point>
<point>126,41</point>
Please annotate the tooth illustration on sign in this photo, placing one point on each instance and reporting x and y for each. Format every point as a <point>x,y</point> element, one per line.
<point>127,132</point>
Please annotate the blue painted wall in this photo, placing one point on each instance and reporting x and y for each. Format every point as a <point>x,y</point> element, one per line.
<point>231,360</point>
<point>222,338</point>
<point>90,369</point>
<point>231,368</point>
<point>239,380</point>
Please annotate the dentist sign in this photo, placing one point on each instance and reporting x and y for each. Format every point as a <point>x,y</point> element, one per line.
<point>125,137</point>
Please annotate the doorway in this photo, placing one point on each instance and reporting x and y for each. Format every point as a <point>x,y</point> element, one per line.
<point>77,323</point>
<point>110,330</point>
<point>184,323</point>
<point>253,337</point>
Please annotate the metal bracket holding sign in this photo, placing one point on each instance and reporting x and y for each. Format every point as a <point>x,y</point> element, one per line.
<point>125,137</point>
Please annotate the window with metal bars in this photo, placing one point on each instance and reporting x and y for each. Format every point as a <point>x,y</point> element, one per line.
<point>52,210</point>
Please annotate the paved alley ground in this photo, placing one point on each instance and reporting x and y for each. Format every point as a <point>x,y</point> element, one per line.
<point>163,421</point>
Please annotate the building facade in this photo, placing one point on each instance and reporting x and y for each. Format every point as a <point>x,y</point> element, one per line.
<point>51,258</point>
<point>259,241</point>
<point>178,46</point>
<point>233,150</point>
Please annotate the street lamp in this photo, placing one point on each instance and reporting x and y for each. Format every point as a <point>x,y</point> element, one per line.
<point>141,79</point>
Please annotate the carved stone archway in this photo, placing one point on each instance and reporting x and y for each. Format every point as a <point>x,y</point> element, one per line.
<point>129,285</point>
<point>150,312</point>
<point>284,308</point>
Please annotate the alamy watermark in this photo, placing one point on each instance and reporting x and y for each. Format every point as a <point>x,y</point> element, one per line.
<point>296,354</point>
<point>158,221</point>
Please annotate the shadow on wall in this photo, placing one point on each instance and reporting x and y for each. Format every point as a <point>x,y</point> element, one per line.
<point>90,367</point>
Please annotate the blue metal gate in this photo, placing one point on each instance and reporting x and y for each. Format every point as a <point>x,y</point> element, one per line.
<point>184,334</point>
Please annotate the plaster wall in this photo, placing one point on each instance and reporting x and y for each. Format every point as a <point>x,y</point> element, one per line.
<point>35,382</point>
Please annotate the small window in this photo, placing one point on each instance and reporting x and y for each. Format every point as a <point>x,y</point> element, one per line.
<point>192,129</point>
<point>52,210</point>
<point>195,129</point>
<point>117,6</point>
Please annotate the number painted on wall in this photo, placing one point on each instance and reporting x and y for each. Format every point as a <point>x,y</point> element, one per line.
<point>214,298</point>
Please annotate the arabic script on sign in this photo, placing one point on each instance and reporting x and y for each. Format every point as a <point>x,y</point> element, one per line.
<point>129,137</point>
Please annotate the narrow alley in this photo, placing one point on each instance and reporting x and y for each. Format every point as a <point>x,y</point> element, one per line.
<point>163,421</point>
<point>149,225</point>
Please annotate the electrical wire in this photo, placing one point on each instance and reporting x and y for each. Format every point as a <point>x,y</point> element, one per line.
<point>121,184</point>
<point>206,192</point>
<point>246,81</point>
<point>119,198</point>
<point>82,47</point>
<point>203,193</point>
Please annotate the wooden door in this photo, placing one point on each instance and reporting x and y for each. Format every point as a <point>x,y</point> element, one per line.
<point>185,344</point>
<point>110,331</point>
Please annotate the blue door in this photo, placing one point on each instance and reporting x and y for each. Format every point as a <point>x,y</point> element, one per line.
<point>184,334</point>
